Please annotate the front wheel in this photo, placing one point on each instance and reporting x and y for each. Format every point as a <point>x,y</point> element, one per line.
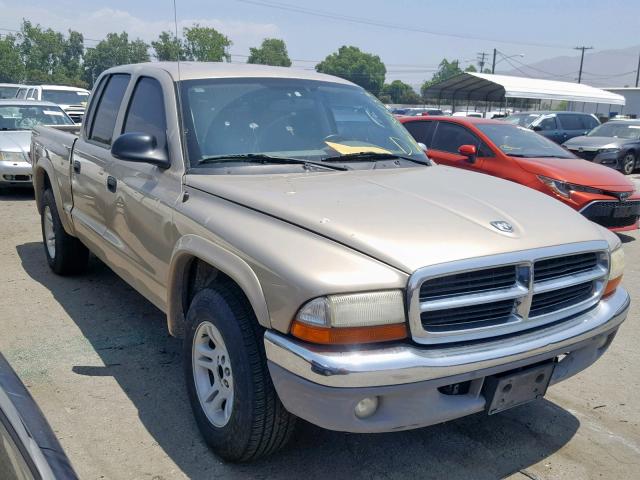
<point>628,163</point>
<point>66,255</point>
<point>230,390</point>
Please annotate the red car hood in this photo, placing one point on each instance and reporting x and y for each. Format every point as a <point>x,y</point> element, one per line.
<point>580,172</point>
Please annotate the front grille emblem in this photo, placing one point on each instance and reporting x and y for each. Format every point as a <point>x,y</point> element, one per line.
<point>502,226</point>
<point>622,196</point>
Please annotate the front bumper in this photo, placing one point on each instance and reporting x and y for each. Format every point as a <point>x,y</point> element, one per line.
<point>15,173</point>
<point>323,384</point>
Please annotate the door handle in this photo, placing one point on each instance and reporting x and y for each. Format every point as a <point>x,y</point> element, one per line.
<point>76,166</point>
<point>112,183</point>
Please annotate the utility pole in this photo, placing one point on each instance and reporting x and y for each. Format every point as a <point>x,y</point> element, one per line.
<point>583,48</point>
<point>638,71</point>
<point>493,64</point>
<point>481,62</point>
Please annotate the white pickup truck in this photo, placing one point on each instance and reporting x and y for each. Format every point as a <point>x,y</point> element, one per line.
<point>316,263</point>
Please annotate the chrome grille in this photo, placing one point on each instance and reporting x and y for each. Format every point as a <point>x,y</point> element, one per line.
<point>503,294</point>
<point>468,282</point>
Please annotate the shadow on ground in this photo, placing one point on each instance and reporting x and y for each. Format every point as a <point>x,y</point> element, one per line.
<point>130,336</point>
<point>16,194</point>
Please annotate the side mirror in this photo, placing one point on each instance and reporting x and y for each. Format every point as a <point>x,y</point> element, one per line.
<point>422,146</point>
<point>139,147</point>
<point>468,151</point>
<point>537,128</point>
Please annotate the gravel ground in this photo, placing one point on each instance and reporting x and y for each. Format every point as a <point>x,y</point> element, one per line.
<point>97,358</point>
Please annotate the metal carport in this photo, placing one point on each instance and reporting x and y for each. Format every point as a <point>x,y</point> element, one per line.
<point>486,87</point>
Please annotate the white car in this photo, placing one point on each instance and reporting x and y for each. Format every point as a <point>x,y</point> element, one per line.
<point>467,114</point>
<point>72,100</point>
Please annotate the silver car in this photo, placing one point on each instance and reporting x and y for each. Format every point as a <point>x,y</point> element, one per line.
<point>17,119</point>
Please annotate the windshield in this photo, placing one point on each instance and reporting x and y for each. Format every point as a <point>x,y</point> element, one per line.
<point>25,117</point>
<point>617,130</point>
<point>8,92</point>
<point>524,119</point>
<point>302,119</point>
<point>66,97</point>
<point>521,142</point>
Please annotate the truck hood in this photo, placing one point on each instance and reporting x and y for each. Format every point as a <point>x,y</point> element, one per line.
<point>593,143</point>
<point>15,141</point>
<point>580,172</point>
<point>409,217</point>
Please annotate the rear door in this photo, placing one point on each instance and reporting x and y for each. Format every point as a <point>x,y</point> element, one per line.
<point>448,137</point>
<point>90,159</point>
<point>573,125</point>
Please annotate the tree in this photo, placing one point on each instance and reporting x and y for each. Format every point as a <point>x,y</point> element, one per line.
<point>273,51</point>
<point>446,70</point>
<point>11,66</point>
<point>168,48</point>
<point>399,92</point>
<point>471,68</point>
<point>115,49</point>
<point>361,68</point>
<point>206,44</point>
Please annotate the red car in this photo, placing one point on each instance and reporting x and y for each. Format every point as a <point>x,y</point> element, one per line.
<point>514,153</point>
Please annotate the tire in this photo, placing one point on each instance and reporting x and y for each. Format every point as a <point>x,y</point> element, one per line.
<point>66,255</point>
<point>628,163</point>
<point>224,344</point>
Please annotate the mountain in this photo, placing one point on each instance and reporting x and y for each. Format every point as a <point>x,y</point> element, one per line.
<point>604,68</point>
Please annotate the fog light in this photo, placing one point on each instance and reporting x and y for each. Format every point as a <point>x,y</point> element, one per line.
<point>366,407</point>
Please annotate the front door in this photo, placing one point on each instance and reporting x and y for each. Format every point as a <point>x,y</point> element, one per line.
<point>448,138</point>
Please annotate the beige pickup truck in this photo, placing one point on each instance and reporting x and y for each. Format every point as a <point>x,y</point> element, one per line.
<point>316,263</point>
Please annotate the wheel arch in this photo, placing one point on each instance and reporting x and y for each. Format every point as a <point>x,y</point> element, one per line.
<point>43,178</point>
<point>194,255</point>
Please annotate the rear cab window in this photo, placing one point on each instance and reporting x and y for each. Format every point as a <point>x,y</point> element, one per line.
<point>106,112</point>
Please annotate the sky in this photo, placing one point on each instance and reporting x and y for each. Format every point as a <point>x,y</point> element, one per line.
<point>410,36</point>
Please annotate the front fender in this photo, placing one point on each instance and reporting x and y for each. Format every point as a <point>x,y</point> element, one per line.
<point>193,246</point>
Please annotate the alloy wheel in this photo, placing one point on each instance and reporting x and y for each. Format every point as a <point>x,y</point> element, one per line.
<point>49,232</point>
<point>212,374</point>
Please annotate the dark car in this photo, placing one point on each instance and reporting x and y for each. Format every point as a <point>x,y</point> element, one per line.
<point>615,144</point>
<point>556,126</point>
<point>28,447</point>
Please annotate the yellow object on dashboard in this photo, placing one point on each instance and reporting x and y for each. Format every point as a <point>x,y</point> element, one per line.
<point>346,149</point>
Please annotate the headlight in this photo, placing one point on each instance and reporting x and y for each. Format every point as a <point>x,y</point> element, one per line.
<point>352,318</point>
<point>609,150</point>
<point>616,269</point>
<point>561,188</point>
<point>12,157</point>
<point>564,189</point>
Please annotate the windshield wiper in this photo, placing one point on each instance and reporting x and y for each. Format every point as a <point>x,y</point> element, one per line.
<point>266,160</point>
<point>371,157</point>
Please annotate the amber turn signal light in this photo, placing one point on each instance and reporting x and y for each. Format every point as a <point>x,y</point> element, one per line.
<point>612,285</point>
<point>348,335</point>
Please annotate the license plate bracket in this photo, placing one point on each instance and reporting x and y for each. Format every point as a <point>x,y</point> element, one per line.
<point>510,389</point>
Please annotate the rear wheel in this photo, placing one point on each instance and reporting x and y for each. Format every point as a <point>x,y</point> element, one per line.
<point>233,399</point>
<point>66,255</point>
<point>628,163</point>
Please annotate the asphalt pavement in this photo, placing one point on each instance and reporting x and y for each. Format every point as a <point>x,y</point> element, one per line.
<point>97,358</point>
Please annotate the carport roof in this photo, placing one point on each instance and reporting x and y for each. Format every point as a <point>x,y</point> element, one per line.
<point>495,88</point>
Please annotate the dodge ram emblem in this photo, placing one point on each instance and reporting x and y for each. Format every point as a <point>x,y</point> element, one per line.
<point>502,226</point>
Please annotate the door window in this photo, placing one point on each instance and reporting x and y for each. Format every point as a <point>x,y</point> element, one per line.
<point>549,123</point>
<point>22,93</point>
<point>31,95</point>
<point>572,121</point>
<point>146,111</point>
<point>421,131</point>
<point>108,107</point>
<point>590,122</point>
<point>450,136</point>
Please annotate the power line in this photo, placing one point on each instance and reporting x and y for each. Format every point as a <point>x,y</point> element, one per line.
<point>378,23</point>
